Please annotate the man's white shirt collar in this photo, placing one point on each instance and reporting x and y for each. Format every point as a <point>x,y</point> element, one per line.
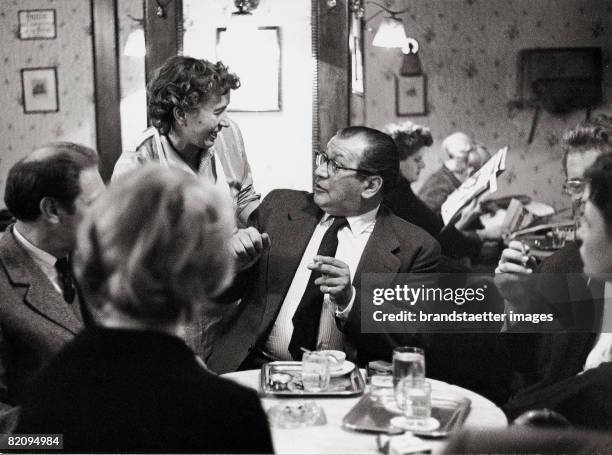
<point>37,254</point>
<point>358,223</point>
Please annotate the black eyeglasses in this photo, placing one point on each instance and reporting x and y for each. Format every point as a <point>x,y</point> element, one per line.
<point>332,166</point>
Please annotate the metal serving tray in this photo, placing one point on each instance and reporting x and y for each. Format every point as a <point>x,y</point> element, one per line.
<point>369,414</point>
<point>350,384</point>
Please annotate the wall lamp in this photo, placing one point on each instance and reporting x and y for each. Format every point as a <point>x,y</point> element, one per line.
<point>391,34</point>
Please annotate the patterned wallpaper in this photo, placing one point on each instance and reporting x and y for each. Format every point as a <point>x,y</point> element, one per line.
<point>71,53</point>
<point>469,52</point>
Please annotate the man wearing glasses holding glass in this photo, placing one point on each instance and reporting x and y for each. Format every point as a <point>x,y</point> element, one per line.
<point>304,250</point>
<point>551,357</point>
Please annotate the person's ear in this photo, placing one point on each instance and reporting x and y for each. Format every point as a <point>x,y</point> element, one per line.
<point>49,210</point>
<point>373,186</point>
<point>180,117</point>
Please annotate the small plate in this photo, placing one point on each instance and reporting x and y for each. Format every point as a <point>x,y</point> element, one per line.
<point>347,367</point>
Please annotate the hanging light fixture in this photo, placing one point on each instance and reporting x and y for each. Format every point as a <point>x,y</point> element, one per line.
<point>391,31</point>
<point>242,24</point>
<point>411,65</point>
<point>135,44</point>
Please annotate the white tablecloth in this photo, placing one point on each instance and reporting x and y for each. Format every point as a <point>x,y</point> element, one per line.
<point>333,439</point>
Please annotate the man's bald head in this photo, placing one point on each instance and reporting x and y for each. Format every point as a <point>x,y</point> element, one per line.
<point>458,146</point>
<point>52,170</point>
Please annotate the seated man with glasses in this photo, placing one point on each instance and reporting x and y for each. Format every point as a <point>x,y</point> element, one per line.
<point>540,358</point>
<point>304,254</point>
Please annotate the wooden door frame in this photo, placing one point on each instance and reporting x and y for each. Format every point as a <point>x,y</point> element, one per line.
<point>107,93</point>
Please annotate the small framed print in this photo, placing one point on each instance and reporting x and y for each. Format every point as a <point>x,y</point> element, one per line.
<point>40,91</point>
<point>37,24</point>
<point>410,95</point>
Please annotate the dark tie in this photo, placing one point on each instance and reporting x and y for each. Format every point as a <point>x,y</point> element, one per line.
<point>308,313</point>
<point>64,273</point>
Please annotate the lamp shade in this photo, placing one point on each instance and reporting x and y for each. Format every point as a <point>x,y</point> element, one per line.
<point>390,33</point>
<point>135,44</point>
<point>411,65</point>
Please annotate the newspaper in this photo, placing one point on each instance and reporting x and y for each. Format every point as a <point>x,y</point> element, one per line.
<point>483,182</point>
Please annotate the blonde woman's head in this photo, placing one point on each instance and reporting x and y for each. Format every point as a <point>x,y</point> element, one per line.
<point>155,247</point>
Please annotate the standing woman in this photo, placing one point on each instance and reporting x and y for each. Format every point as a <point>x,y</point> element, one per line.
<point>187,103</point>
<point>151,253</point>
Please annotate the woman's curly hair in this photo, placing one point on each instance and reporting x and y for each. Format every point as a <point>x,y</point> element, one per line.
<point>409,137</point>
<point>185,82</point>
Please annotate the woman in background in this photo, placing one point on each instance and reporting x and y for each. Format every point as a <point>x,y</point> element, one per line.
<point>152,252</point>
<point>411,140</point>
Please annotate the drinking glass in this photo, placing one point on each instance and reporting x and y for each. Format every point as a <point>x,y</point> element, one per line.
<point>315,371</point>
<point>408,362</point>
<point>413,397</point>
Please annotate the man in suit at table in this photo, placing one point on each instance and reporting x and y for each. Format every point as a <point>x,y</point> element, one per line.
<point>305,253</point>
<point>40,309</point>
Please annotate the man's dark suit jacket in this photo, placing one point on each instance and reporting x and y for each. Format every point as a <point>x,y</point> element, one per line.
<point>408,206</point>
<point>546,358</point>
<point>438,187</point>
<point>35,323</point>
<point>548,363</point>
<point>115,390</point>
<point>290,217</point>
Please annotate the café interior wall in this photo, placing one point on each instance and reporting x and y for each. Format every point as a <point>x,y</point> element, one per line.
<point>71,53</point>
<point>469,52</point>
<point>278,144</point>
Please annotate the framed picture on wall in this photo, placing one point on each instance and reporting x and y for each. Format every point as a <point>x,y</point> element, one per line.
<point>40,91</point>
<point>257,61</point>
<point>410,95</point>
<point>37,24</point>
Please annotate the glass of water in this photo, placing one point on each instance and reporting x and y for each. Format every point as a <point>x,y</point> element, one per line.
<point>413,398</point>
<point>315,371</point>
<point>408,362</point>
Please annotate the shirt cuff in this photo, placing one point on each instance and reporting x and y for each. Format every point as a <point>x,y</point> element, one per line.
<point>343,314</point>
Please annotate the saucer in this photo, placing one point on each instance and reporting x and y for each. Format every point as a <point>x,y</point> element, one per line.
<point>429,424</point>
<point>347,367</point>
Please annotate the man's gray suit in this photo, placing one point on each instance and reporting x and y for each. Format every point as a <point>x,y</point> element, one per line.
<point>35,323</point>
<point>290,217</point>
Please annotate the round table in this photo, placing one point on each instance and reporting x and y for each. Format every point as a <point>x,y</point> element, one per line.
<point>333,439</point>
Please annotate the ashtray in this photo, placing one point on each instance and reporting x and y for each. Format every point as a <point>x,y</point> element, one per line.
<point>295,415</point>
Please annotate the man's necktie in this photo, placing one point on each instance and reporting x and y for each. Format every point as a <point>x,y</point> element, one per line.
<point>64,274</point>
<point>307,316</point>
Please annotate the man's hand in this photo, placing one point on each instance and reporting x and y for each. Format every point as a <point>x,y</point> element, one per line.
<point>248,245</point>
<point>512,270</point>
<point>515,259</point>
<point>335,279</point>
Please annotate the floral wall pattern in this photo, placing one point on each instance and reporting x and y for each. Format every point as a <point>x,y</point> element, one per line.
<point>71,53</point>
<point>469,52</point>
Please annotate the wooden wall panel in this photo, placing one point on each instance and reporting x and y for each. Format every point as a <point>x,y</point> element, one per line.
<point>106,83</point>
<point>333,69</point>
<point>163,34</point>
